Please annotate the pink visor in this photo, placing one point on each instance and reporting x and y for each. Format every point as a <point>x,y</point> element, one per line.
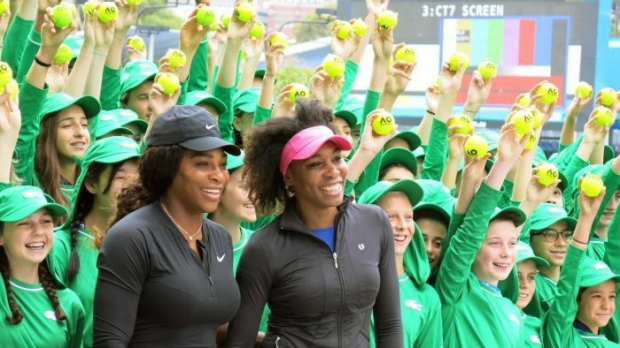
<point>309,141</point>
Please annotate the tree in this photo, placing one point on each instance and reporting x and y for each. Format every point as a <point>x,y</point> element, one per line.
<point>292,71</point>
<point>159,17</point>
<point>311,31</point>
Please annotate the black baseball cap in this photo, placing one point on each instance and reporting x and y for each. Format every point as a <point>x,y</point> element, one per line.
<point>191,127</point>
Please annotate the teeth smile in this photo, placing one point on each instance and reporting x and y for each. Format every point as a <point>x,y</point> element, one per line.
<point>502,265</point>
<point>35,246</point>
<point>335,187</point>
<point>400,239</point>
<point>211,191</point>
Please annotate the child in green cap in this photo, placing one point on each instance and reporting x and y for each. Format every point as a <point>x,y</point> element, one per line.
<point>419,303</point>
<point>397,164</point>
<point>550,232</point>
<point>586,297</point>
<point>108,166</point>
<point>36,312</point>
<point>136,83</point>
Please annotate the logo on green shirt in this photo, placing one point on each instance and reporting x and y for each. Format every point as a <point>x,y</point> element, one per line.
<point>413,305</point>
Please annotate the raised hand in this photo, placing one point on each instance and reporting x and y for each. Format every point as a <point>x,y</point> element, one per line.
<point>371,142</point>
<point>325,88</point>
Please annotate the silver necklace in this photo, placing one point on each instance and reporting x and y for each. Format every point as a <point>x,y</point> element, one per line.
<point>191,237</point>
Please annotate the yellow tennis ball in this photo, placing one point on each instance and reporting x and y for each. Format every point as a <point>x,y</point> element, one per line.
<point>592,185</point>
<point>333,65</point>
<point>387,19</point>
<point>107,12</point>
<point>298,91</point>
<point>359,26</point>
<point>604,116</point>
<point>548,93</point>
<point>406,54</point>
<point>258,30</point>
<point>212,27</point>
<point>608,97</point>
<point>176,58</point>
<point>531,141</point>
<point>487,69</point>
<point>524,99</point>
<point>383,124</point>
<point>279,38</point>
<point>205,15</point>
<point>132,3</point>
<point>456,59</point>
<point>225,20</point>
<point>61,16</point>
<point>136,42</point>
<point>583,90</point>
<point>244,12</point>
<point>476,147</point>
<point>63,55</point>
<point>4,5</point>
<point>89,8</point>
<point>13,88</point>
<point>169,82</point>
<point>464,121</point>
<point>6,73</point>
<point>70,6</point>
<point>537,117</point>
<point>524,122</point>
<point>547,173</point>
<point>436,84</point>
<point>344,30</point>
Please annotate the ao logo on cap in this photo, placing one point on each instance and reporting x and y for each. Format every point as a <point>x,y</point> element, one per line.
<point>521,247</point>
<point>514,319</point>
<point>535,339</point>
<point>201,95</point>
<point>31,194</point>
<point>556,210</point>
<point>600,266</point>
<point>127,144</point>
<point>106,117</point>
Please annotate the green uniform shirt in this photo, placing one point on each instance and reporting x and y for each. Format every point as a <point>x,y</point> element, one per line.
<point>531,332</point>
<point>546,290</point>
<point>15,41</point>
<point>85,281</point>
<point>596,248</point>
<point>261,221</point>
<point>198,76</point>
<point>261,115</point>
<point>39,328</point>
<point>350,74</point>
<point>558,330</point>
<point>612,258</point>
<point>225,123</point>
<point>240,246</point>
<point>110,98</point>
<point>436,152</point>
<point>30,50</point>
<point>474,313</point>
<point>371,174</point>
<point>420,310</point>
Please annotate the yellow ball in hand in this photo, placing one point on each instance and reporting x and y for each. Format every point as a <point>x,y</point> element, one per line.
<point>487,69</point>
<point>387,19</point>
<point>548,93</point>
<point>4,5</point>
<point>464,121</point>
<point>205,15</point>
<point>61,16</point>
<point>169,82</point>
<point>583,90</point>
<point>604,116</point>
<point>406,54</point>
<point>476,147</point>
<point>547,173</point>
<point>63,55</point>
<point>107,12</point>
<point>298,91</point>
<point>359,26</point>
<point>457,59</point>
<point>136,42</point>
<point>176,58</point>
<point>244,12</point>
<point>608,97</point>
<point>524,122</point>
<point>383,123</point>
<point>333,65</point>
<point>592,185</point>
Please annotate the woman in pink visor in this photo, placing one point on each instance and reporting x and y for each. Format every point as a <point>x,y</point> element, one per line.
<point>325,263</point>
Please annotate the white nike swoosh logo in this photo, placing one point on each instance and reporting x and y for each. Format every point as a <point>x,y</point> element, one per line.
<point>209,127</point>
<point>220,258</point>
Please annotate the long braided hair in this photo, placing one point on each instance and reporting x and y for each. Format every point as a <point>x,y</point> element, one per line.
<point>16,316</point>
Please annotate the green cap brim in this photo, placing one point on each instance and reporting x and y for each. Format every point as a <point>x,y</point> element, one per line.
<point>60,101</point>
<point>594,272</point>
<point>410,137</point>
<point>410,188</point>
<point>195,99</point>
<point>348,116</point>
<point>521,217</point>
<point>525,252</point>
<point>19,202</point>
<point>543,218</point>
<point>608,154</point>
<point>434,207</point>
<point>141,124</point>
<point>234,162</point>
<point>401,156</point>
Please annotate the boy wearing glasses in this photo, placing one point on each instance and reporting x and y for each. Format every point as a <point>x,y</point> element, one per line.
<point>550,233</point>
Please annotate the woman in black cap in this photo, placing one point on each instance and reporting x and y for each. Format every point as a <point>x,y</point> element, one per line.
<point>165,272</point>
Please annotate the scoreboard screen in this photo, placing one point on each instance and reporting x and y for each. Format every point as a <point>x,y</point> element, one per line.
<point>529,41</point>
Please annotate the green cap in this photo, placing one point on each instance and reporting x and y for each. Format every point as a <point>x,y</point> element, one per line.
<point>108,151</point>
<point>487,166</point>
<point>354,106</point>
<point>436,192</point>
<point>401,156</point>
<point>419,152</point>
<point>108,123</point>
<point>199,97</point>
<point>234,162</point>
<point>75,43</point>
<point>126,117</point>
<point>60,101</point>
<point>444,210</point>
<point>136,72</point>
<point>539,156</point>
<point>19,202</point>
<point>595,272</point>
<point>412,139</point>
<point>608,154</point>
<point>525,252</point>
<point>410,188</point>
<point>259,73</point>
<point>246,100</point>
<point>490,136</point>
<point>548,214</point>
<point>348,116</point>
<point>521,217</point>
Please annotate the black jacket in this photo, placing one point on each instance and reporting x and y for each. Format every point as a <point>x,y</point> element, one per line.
<point>319,298</point>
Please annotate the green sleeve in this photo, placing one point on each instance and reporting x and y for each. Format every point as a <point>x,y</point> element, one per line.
<point>5,185</point>
<point>612,246</point>
<point>350,73</point>
<point>225,122</point>
<point>567,154</point>
<point>456,264</point>
<point>562,147</point>
<point>261,115</point>
<point>216,69</point>
<point>436,152</point>
<point>31,101</point>
<point>198,70</point>
<point>31,49</point>
<point>574,166</point>
<point>431,334</point>
<point>183,94</point>
<point>75,319</point>
<point>506,200</point>
<point>371,173</point>
<point>349,187</point>
<point>110,89</point>
<point>15,40</point>
<point>58,260</point>
<point>558,322</point>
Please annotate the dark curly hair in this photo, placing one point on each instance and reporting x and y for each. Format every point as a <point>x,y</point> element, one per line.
<point>263,148</point>
<point>157,168</point>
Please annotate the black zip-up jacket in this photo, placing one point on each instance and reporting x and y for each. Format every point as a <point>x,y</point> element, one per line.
<point>319,298</point>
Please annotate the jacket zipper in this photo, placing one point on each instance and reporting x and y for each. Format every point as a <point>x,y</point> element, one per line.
<point>339,272</point>
<point>277,340</point>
